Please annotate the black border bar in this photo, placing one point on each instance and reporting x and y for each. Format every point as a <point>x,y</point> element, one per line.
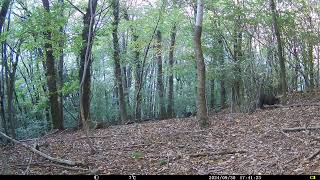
<point>162,177</point>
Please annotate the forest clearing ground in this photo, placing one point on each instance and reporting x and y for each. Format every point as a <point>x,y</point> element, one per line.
<point>179,146</point>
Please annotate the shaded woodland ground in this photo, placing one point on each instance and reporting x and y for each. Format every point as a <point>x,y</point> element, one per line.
<point>233,144</point>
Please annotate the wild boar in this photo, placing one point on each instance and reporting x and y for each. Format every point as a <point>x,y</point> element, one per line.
<point>268,100</point>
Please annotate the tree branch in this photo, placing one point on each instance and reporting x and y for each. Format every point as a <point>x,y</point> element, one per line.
<point>74,6</point>
<point>52,159</point>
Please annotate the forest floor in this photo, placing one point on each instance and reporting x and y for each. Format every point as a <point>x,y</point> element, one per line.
<point>234,144</point>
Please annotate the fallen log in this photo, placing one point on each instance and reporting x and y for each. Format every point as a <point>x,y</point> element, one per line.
<point>52,159</point>
<point>297,129</point>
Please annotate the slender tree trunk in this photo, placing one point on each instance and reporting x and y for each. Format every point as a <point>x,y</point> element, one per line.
<point>86,61</point>
<point>10,92</point>
<point>212,94</point>
<point>318,66</point>
<point>311,65</point>
<point>160,87</point>
<point>126,73</point>
<point>3,12</point>
<point>280,50</point>
<point>236,87</point>
<point>60,68</point>
<point>306,68</point>
<point>137,82</point>
<point>171,112</point>
<point>222,76</point>
<point>202,115</point>
<point>116,58</point>
<point>51,75</point>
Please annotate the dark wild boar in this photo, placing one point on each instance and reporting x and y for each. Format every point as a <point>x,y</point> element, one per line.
<point>189,114</point>
<point>268,100</point>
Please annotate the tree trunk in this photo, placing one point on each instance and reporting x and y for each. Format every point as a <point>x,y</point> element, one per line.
<point>126,73</point>
<point>202,115</point>
<point>311,65</point>
<point>318,66</point>
<point>85,67</point>
<point>236,101</point>
<point>306,68</point>
<point>3,14</point>
<point>280,50</point>
<point>160,87</point>
<point>60,68</point>
<point>44,88</point>
<point>212,94</point>
<point>51,75</point>
<point>10,91</point>
<point>137,82</point>
<point>222,76</point>
<point>171,113</point>
<point>116,58</point>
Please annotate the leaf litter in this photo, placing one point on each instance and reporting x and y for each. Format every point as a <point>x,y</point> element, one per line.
<point>233,144</point>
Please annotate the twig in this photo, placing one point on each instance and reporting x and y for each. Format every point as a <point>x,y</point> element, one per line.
<point>52,159</point>
<point>75,7</point>
<point>217,153</point>
<point>297,129</point>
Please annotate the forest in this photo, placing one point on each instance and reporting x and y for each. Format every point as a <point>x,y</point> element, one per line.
<point>159,87</point>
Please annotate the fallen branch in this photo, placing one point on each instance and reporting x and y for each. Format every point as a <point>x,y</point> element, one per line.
<point>297,129</point>
<point>217,153</point>
<point>84,171</point>
<point>198,154</point>
<point>313,155</point>
<point>133,146</point>
<point>52,159</point>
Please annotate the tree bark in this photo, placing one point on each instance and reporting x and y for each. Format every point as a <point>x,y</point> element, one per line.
<point>222,76</point>
<point>236,87</point>
<point>3,14</point>
<point>160,87</point>
<point>116,58</point>
<point>212,94</point>
<point>280,50</point>
<point>311,64</point>
<point>202,115</point>
<point>85,79</point>
<point>170,111</point>
<point>60,67</point>
<point>126,71</point>
<point>51,75</point>
<point>10,91</point>
<point>85,55</point>
<point>137,82</point>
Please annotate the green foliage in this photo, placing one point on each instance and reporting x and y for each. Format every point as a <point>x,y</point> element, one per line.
<point>258,62</point>
<point>136,155</point>
<point>163,162</point>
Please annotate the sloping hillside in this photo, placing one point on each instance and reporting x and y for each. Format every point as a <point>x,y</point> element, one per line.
<point>234,144</point>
